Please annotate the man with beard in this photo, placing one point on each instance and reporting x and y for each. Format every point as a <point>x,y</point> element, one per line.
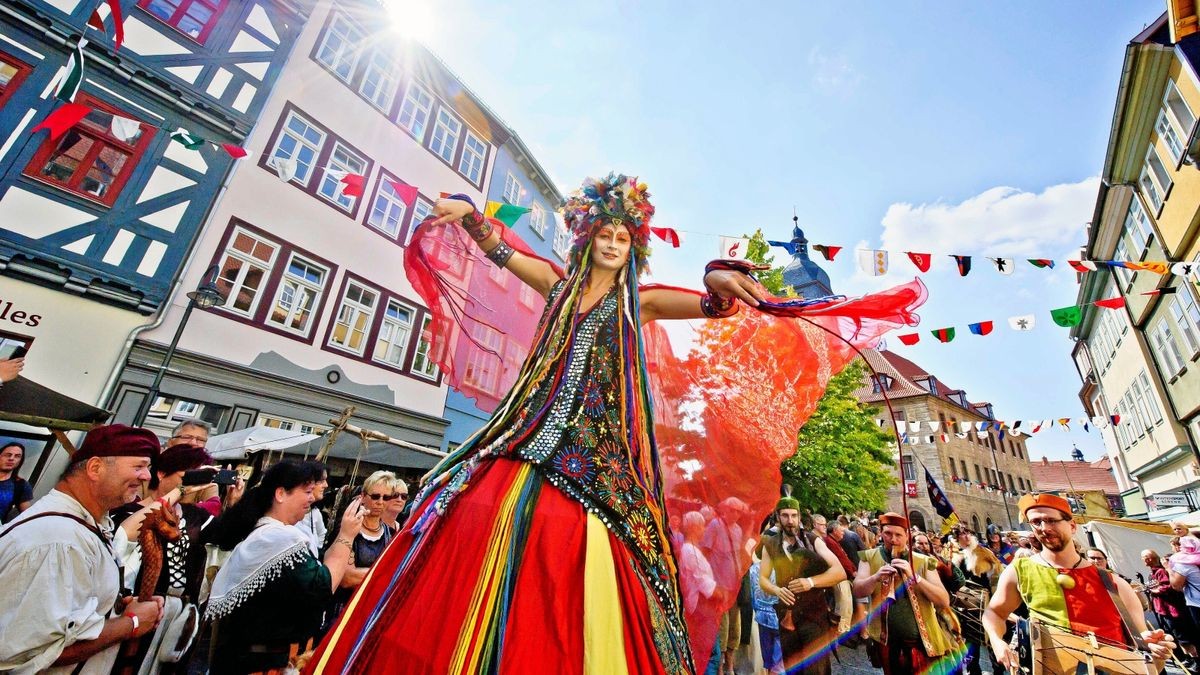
<point>802,563</point>
<point>1062,588</point>
<point>907,637</point>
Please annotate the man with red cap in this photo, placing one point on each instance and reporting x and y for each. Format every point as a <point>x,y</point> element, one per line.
<point>906,596</point>
<point>1061,588</point>
<point>65,612</point>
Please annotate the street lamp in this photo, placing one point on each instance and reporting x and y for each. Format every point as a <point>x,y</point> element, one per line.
<point>206,296</point>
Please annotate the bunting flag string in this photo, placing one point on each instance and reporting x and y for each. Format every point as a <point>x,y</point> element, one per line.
<point>1063,316</point>
<point>914,432</point>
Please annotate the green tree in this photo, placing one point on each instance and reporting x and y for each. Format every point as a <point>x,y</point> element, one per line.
<point>843,462</point>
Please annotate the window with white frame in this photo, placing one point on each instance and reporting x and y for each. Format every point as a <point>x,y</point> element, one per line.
<point>1137,224</point>
<point>562,239</point>
<point>528,296</point>
<point>414,111</point>
<point>1124,274</point>
<point>353,321</point>
<point>1170,138</point>
<point>332,187</point>
<point>1155,179</point>
<point>1181,113</point>
<point>244,268</point>
<point>378,80</point>
<point>1123,432</point>
<point>185,409</point>
<point>392,344</point>
<point>1164,345</point>
<point>537,219</point>
<point>276,422</point>
<point>387,212</point>
<point>1152,402</point>
<point>496,274</point>
<point>1184,320</point>
<point>474,153</point>
<point>512,189</point>
<point>445,135</point>
<point>423,363</point>
<point>1140,407</point>
<point>300,140</point>
<point>421,211</point>
<point>483,365</point>
<point>340,46</point>
<point>299,291</point>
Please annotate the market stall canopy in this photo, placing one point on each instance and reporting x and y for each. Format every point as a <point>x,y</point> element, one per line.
<point>390,452</point>
<point>28,402</point>
<point>238,444</point>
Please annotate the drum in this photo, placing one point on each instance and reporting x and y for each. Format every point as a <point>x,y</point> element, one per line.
<point>1050,650</point>
<point>968,604</point>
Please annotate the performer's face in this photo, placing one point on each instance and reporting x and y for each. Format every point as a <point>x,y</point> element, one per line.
<point>1051,528</point>
<point>789,521</point>
<point>895,538</point>
<point>610,247</point>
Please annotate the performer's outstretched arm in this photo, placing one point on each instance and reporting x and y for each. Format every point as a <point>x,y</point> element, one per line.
<point>725,289</point>
<point>536,273</point>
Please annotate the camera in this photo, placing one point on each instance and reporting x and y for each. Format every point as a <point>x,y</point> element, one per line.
<point>206,476</point>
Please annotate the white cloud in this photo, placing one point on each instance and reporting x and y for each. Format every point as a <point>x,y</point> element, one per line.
<point>832,73</point>
<point>1001,221</point>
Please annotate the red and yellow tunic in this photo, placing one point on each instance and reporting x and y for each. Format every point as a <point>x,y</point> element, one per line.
<point>1085,608</point>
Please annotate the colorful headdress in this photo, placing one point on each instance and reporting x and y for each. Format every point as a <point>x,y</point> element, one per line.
<point>616,199</point>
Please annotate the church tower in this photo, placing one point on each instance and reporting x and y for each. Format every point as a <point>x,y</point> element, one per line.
<point>802,274</point>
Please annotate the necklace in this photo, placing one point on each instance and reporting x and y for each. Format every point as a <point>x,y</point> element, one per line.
<point>1064,580</point>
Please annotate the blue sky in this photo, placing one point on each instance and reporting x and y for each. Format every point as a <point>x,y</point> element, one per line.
<point>968,128</point>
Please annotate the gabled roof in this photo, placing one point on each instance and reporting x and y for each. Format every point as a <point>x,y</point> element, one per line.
<point>1065,476</point>
<point>908,379</point>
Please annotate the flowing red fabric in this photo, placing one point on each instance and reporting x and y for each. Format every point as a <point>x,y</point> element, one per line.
<point>729,395</point>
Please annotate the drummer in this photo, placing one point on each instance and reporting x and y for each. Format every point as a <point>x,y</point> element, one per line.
<point>1063,588</point>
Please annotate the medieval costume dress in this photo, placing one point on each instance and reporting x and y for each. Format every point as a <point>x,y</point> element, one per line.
<point>541,544</point>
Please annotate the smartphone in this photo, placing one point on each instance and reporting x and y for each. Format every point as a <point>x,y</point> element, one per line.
<point>225,477</point>
<point>199,477</point>
<point>20,352</point>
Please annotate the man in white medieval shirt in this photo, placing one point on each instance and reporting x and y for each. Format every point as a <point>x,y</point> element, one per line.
<point>62,610</point>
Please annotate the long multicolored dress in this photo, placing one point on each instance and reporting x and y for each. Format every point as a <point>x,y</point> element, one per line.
<point>546,551</point>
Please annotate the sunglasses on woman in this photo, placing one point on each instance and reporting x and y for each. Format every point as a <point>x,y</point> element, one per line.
<point>382,498</point>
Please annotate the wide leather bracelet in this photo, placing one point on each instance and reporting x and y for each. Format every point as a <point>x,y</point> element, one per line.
<point>717,307</point>
<point>501,254</point>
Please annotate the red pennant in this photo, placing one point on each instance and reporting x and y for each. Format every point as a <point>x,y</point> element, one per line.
<point>921,260</point>
<point>1111,303</point>
<point>909,339</point>
<point>354,184</point>
<point>64,117</point>
<point>1078,266</point>
<point>235,151</point>
<point>407,193</point>
<point>1116,419</point>
<point>443,195</point>
<point>95,21</point>
<point>118,23</point>
<point>830,252</point>
<point>667,234</point>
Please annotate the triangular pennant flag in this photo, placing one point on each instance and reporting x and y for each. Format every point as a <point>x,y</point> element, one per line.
<point>1037,427</point>
<point>789,246</point>
<point>1085,425</point>
<point>830,252</point>
<point>235,151</point>
<point>914,425</point>
<point>286,168</point>
<point>943,334</point>
<point>1097,421</point>
<point>1003,265</point>
<point>1115,263</point>
<point>982,433</point>
<point>509,214</point>
<point>982,426</point>
<point>187,139</point>
<point>1116,419</point>
<point>407,193</point>
<point>336,174</point>
<point>124,128</point>
<point>921,260</point>
<point>1041,263</point>
<point>1065,423</point>
<point>981,328</point>
<point>1049,424</point>
<point>1067,316</point>
<point>118,23</point>
<point>874,263</point>
<point>961,434</point>
<point>62,118</point>
<point>1016,425</point>
<point>1111,303</point>
<point>72,77</point>
<point>964,264</point>
<point>1154,267</point>
<point>934,426</point>
<point>490,208</point>
<point>902,426</point>
<point>95,21</point>
<point>352,184</point>
<point>667,234</point>
<point>945,438</point>
<point>964,427</point>
<point>1161,291</point>
<point>1082,266</point>
<point>734,248</point>
<point>1184,269</point>
<point>909,339</point>
<point>1021,323</point>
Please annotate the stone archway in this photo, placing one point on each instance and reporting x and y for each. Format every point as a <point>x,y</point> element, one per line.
<point>917,519</point>
<point>975,523</point>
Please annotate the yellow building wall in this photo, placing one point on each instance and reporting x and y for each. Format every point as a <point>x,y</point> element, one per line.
<point>1178,220</point>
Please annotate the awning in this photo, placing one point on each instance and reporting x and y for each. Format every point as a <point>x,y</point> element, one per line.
<point>27,402</point>
<point>389,452</point>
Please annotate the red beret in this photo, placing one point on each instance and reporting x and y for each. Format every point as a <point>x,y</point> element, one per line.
<point>118,440</point>
<point>1044,499</point>
<point>182,457</point>
<point>893,519</point>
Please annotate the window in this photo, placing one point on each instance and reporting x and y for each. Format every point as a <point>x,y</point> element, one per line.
<point>387,211</point>
<point>445,135</point>
<point>1137,225</point>
<point>1140,407</point>
<point>342,159</point>
<point>392,343</point>
<point>1183,309</point>
<point>964,475</point>
<point>953,466</point>
<point>1152,403</point>
<point>423,365</point>
<point>354,318</point>
<point>1155,180</point>
<point>978,474</point>
<point>300,140</point>
<point>528,296</point>
<point>378,82</point>
<point>185,409</point>
<point>12,73</point>
<point>909,468</point>
<point>1123,274</point>
<point>1164,345</point>
<point>89,160</point>
<point>299,290</point>
<point>562,239</point>
<point>537,219</point>
<point>1181,114</point>
<point>483,368</point>
<point>193,18</point>
<point>276,422</point>
<point>339,48</point>
<point>881,382</point>
<point>474,153</point>
<point>1170,138</point>
<point>512,189</point>
<point>414,112</point>
<point>245,265</point>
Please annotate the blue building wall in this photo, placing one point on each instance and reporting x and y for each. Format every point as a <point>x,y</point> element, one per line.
<point>464,417</point>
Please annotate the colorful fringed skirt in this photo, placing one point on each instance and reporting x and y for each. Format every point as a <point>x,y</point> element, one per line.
<point>518,579</point>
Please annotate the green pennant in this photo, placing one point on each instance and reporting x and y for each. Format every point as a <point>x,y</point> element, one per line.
<point>1067,316</point>
<point>186,139</point>
<point>943,334</point>
<point>509,214</point>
